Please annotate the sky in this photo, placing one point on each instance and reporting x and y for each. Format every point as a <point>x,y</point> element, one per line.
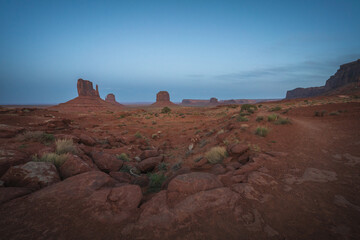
<point>194,49</point>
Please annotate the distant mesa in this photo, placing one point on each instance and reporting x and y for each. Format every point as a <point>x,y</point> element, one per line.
<point>85,88</point>
<point>163,100</point>
<point>110,98</point>
<point>214,101</point>
<point>345,80</point>
<point>88,100</point>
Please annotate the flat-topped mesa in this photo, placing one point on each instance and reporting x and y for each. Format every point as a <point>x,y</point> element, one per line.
<point>348,76</point>
<point>85,88</point>
<point>162,96</point>
<point>110,98</point>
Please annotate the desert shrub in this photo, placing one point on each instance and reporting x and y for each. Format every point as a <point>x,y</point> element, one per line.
<point>124,157</point>
<point>261,131</point>
<point>282,121</point>
<point>125,168</point>
<point>334,113</point>
<point>248,107</point>
<point>162,166</point>
<point>166,110</point>
<point>156,180</point>
<point>260,105</point>
<point>138,135</point>
<point>216,154</point>
<point>242,114</point>
<point>39,136</point>
<point>259,118</point>
<point>176,166</point>
<point>274,109</point>
<point>65,146</point>
<point>241,119</point>
<point>56,159</point>
<point>273,117</point>
<point>319,113</point>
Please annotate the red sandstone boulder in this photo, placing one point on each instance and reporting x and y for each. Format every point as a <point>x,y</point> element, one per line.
<point>106,162</point>
<point>87,140</point>
<point>148,154</point>
<point>238,149</point>
<point>122,177</point>
<point>31,175</point>
<point>86,206</point>
<point>72,166</point>
<point>85,88</point>
<point>9,193</point>
<point>150,163</point>
<point>7,131</point>
<point>10,158</point>
<point>194,182</point>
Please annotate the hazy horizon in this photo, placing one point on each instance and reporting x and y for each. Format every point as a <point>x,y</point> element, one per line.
<point>192,49</point>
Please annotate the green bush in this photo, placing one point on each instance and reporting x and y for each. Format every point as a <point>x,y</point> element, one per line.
<point>39,136</point>
<point>162,166</point>
<point>261,131</point>
<point>248,107</point>
<point>216,154</point>
<point>56,159</point>
<point>241,119</point>
<point>65,146</point>
<point>166,110</point>
<point>124,157</point>
<point>138,135</point>
<point>282,121</point>
<point>156,181</point>
<point>274,109</point>
<point>273,117</point>
<point>259,118</point>
<point>334,113</point>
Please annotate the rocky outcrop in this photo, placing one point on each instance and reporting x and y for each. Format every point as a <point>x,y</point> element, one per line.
<point>214,101</point>
<point>163,99</point>
<point>347,74</point>
<point>85,88</point>
<point>110,98</point>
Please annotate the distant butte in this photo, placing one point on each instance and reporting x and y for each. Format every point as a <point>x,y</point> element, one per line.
<point>110,98</point>
<point>163,100</point>
<point>345,80</point>
<point>88,100</point>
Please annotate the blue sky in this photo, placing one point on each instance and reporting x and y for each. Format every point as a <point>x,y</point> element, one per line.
<point>193,49</point>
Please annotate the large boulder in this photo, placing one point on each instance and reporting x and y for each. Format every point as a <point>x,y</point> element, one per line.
<point>10,193</point>
<point>86,206</point>
<point>148,154</point>
<point>7,131</point>
<point>33,175</point>
<point>72,166</point>
<point>106,162</point>
<point>85,88</point>
<point>150,163</point>
<point>10,158</point>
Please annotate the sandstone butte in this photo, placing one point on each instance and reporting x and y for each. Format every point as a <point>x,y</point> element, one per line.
<point>110,98</point>
<point>88,100</point>
<point>163,100</point>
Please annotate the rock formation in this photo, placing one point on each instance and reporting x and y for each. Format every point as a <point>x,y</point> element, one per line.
<point>85,88</point>
<point>214,101</point>
<point>88,100</point>
<point>163,99</point>
<point>110,98</point>
<point>347,74</point>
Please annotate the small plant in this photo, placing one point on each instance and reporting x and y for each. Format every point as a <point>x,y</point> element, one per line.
<point>272,117</point>
<point>241,119</point>
<point>261,131</point>
<point>156,181</point>
<point>138,135</point>
<point>260,105</point>
<point>162,166</point>
<point>22,146</point>
<point>125,168</point>
<point>282,121</point>
<point>39,136</point>
<point>176,166</point>
<point>166,110</point>
<point>274,109</point>
<point>259,118</point>
<point>334,113</point>
<point>248,107</point>
<point>56,159</point>
<point>124,157</point>
<point>65,146</point>
<point>216,154</point>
